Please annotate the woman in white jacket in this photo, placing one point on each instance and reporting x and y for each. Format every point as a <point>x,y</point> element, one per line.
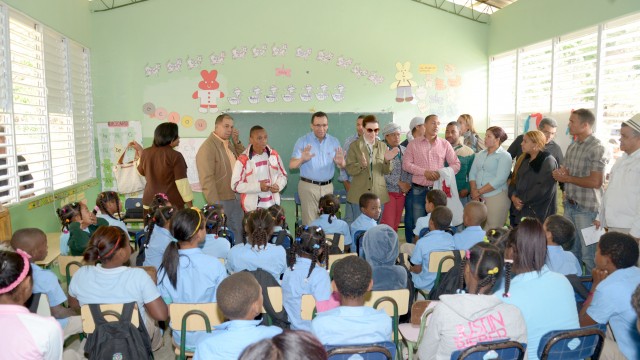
<point>462,320</point>
<point>258,174</point>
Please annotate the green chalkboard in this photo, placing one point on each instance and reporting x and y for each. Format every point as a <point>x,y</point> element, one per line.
<point>285,128</point>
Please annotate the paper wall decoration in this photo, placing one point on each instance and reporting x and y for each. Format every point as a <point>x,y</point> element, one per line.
<point>238,53</point>
<point>281,71</point>
<point>217,59</point>
<point>427,69</point>
<point>279,50</point>
<point>303,53</point>
<point>289,95</point>
<point>338,96</point>
<point>344,62</point>
<point>161,113</point>
<point>324,56</point>
<point>194,62</point>
<point>201,125</point>
<point>272,97</point>
<point>322,95</point>
<point>208,93</point>
<point>149,109</point>
<point>187,121</point>
<point>152,70</point>
<point>403,83</point>
<point>259,50</point>
<point>235,100</point>
<point>255,98</point>
<point>174,117</point>
<point>307,95</point>
<point>176,66</point>
<point>189,148</point>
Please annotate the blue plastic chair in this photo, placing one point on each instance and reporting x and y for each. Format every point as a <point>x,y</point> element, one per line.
<point>500,349</point>
<point>375,351</point>
<point>580,343</point>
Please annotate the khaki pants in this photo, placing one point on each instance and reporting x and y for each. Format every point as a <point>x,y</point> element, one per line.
<point>310,195</point>
<point>610,350</point>
<point>497,208</point>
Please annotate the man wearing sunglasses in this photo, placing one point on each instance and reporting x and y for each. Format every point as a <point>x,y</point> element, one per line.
<point>368,160</point>
<point>423,158</point>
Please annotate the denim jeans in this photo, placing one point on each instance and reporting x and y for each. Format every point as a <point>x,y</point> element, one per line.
<point>413,210</point>
<point>581,218</point>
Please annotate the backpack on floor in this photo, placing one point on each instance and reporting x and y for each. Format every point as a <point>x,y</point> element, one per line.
<point>266,280</point>
<point>120,339</point>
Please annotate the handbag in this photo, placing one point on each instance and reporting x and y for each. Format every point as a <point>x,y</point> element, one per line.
<point>127,177</point>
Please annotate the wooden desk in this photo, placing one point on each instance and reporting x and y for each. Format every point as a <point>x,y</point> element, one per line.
<point>53,243</point>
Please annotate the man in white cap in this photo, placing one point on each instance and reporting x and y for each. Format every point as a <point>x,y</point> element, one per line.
<point>620,209</point>
<point>416,130</point>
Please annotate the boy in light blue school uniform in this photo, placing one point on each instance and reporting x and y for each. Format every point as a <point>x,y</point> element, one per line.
<point>329,222</point>
<point>434,198</point>
<point>352,323</point>
<point>369,214</point>
<point>436,240</point>
<point>158,236</point>
<point>258,253</point>
<point>240,300</point>
<point>559,232</point>
<point>34,242</point>
<point>474,214</point>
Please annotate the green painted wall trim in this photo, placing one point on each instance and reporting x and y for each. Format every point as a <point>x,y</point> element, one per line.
<point>527,22</point>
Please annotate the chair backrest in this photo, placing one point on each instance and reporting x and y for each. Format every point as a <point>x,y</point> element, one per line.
<point>69,264</point>
<point>403,258</point>
<point>339,237</point>
<point>501,349</point>
<point>223,261</point>
<point>307,307</point>
<point>375,351</point>
<point>177,311</point>
<point>436,263</point>
<point>401,296</point>
<point>151,271</point>
<point>38,303</point>
<point>580,343</point>
<point>335,257</point>
<point>88,325</point>
<point>275,295</point>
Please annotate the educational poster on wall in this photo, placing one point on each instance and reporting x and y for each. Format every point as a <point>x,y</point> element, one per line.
<point>189,148</point>
<point>113,137</point>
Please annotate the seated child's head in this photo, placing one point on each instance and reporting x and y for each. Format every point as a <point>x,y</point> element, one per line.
<point>498,236</point>
<point>16,281</point>
<point>370,205</point>
<point>161,217</point>
<point>559,231</point>
<point>525,250</point>
<point>380,244</point>
<point>239,296</point>
<point>260,227</point>
<point>159,199</point>
<point>277,212</point>
<point>288,345</point>
<point>616,250</point>
<point>310,243</point>
<point>329,205</point>
<point>73,212</point>
<point>352,277</point>
<point>435,198</point>
<point>109,204</point>
<point>481,268</point>
<point>440,218</point>
<point>108,244</point>
<point>33,241</point>
<point>474,213</point>
<point>214,218</point>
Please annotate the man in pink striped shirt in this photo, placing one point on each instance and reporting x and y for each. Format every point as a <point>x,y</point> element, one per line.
<point>422,159</point>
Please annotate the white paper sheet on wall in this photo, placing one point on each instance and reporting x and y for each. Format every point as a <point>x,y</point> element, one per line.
<point>189,148</point>
<point>113,137</point>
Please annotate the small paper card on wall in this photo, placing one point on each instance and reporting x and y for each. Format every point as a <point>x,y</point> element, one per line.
<point>189,148</point>
<point>591,235</point>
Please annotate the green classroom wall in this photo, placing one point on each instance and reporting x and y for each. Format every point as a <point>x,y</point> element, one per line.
<point>529,21</point>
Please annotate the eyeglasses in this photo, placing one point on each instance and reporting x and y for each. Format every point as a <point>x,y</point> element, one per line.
<point>376,130</point>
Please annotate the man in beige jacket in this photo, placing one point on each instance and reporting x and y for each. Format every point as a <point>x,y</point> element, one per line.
<point>215,161</point>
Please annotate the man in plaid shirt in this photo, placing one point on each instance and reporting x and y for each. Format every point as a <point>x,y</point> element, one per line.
<point>583,175</point>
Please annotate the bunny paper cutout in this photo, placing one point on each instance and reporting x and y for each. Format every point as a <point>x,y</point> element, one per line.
<point>208,93</point>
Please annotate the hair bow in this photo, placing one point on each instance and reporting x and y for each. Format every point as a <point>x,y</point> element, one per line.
<point>485,239</point>
<point>316,246</point>
<point>467,254</point>
<point>493,271</point>
<point>493,232</point>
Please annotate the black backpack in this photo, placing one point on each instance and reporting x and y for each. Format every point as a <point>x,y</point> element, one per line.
<point>282,238</point>
<point>335,249</point>
<point>449,281</point>
<point>266,280</point>
<point>119,339</point>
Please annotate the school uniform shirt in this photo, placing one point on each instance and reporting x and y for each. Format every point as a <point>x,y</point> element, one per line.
<point>97,285</point>
<point>160,239</point>
<point>79,237</point>
<point>216,246</point>
<point>612,303</point>
<point>199,276</point>
<point>435,240</point>
<point>462,320</point>
<point>229,339</point>
<point>561,261</point>
<point>27,336</point>
<point>272,259</point>
<point>114,222</point>
<point>468,237</point>
<point>336,226</point>
<point>64,242</point>
<point>352,325</point>
<point>295,283</point>
<point>421,223</point>
<point>361,223</point>
<point>546,301</point>
<point>46,282</point>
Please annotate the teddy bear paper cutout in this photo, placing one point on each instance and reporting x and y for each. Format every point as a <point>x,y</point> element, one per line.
<point>208,93</point>
<point>404,83</point>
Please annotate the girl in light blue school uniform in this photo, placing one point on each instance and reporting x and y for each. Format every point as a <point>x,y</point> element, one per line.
<point>329,222</point>
<point>305,275</point>
<point>158,236</point>
<point>258,253</point>
<point>187,274</point>
<point>108,202</point>
<point>277,212</point>
<point>213,244</point>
